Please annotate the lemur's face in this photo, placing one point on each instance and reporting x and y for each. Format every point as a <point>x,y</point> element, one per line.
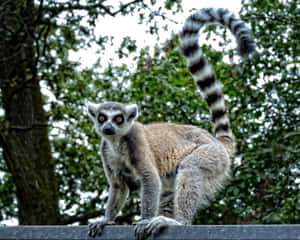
<point>113,118</point>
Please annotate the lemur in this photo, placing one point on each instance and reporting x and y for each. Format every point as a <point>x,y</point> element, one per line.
<point>176,167</point>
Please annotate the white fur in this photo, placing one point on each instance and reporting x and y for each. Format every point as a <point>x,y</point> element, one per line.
<point>92,109</point>
<point>217,87</point>
<point>195,57</point>
<point>236,22</point>
<point>189,40</point>
<point>226,17</point>
<point>192,25</point>
<point>199,75</point>
<point>223,120</point>
<point>218,105</point>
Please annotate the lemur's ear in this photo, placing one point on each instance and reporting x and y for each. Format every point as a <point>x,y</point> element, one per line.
<point>132,111</point>
<point>92,110</point>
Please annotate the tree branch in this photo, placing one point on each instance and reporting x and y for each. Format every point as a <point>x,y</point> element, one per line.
<point>123,7</point>
<point>161,15</point>
<point>67,6</point>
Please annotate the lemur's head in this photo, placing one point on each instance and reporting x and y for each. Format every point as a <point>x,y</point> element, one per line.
<point>112,118</point>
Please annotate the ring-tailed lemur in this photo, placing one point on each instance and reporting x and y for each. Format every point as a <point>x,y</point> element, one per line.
<point>178,167</point>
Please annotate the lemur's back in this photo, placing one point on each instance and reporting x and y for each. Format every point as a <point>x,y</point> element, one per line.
<point>171,142</point>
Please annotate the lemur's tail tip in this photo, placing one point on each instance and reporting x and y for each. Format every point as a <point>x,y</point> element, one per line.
<point>246,46</point>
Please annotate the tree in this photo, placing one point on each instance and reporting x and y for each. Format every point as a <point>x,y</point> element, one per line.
<point>50,153</point>
<point>24,132</point>
<point>32,43</point>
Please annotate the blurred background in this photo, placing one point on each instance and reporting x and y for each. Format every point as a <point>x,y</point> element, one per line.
<point>56,55</point>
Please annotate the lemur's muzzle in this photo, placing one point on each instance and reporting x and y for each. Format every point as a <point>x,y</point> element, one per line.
<point>108,129</point>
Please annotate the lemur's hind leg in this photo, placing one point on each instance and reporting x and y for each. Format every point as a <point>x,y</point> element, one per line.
<point>166,204</point>
<point>199,175</point>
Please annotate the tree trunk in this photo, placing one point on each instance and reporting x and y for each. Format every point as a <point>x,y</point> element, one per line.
<point>24,132</point>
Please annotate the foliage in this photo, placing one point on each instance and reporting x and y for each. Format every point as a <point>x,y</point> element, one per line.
<point>265,116</point>
<point>263,100</point>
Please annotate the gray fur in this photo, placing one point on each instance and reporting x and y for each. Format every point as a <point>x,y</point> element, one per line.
<point>140,159</point>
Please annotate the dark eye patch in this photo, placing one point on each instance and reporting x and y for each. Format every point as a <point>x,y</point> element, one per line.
<point>102,118</point>
<point>119,119</point>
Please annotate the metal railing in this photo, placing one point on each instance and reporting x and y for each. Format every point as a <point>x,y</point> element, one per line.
<point>207,232</point>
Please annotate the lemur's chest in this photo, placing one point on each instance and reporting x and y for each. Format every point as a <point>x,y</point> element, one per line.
<point>118,160</point>
<point>116,155</point>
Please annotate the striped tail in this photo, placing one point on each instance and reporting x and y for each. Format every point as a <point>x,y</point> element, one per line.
<point>202,72</point>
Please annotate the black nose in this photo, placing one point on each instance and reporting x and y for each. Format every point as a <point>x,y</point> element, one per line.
<point>109,130</point>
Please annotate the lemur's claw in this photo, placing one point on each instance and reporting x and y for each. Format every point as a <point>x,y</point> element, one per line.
<point>153,226</point>
<point>96,228</point>
<point>140,229</point>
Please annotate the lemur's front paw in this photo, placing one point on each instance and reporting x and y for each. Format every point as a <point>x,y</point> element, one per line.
<point>157,224</point>
<point>152,226</point>
<point>96,228</point>
<point>140,229</point>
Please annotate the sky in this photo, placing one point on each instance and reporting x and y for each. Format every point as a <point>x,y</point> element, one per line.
<point>122,26</point>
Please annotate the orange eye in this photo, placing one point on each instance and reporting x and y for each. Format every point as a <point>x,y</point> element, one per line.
<point>101,118</point>
<point>119,119</point>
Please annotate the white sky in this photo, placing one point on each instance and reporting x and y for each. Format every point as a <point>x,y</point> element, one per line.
<point>121,26</point>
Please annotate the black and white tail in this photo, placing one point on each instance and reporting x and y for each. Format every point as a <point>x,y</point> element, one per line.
<point>202,72</point>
